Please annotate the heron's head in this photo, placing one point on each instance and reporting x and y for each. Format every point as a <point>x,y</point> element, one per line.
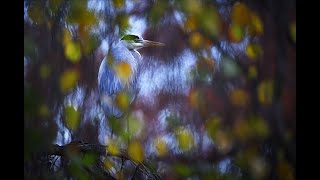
<point>136,42</point>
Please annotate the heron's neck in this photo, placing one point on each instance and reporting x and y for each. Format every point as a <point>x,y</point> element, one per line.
<point>136,54</point>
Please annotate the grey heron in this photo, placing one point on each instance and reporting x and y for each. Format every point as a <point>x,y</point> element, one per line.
<point>117,77</point>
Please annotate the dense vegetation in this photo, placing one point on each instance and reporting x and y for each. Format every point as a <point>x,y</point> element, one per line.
<point>217,102</point>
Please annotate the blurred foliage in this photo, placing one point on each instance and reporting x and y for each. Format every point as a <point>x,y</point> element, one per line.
<point>72,49</point>
<point>253,51</point>
<point>68,80</point>
<point>232,117</point>
<point>113,148</point>
<point>123,71</point>
<point>123,100</point>
<point>292,29</point>
<point>185,139</point>
<point>265,92</point>
<point>135,151</point>
<point>72,118</point>
<point>160,146</point>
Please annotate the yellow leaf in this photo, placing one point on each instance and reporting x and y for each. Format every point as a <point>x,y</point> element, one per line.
<point>135,151</point>
<point>240,14</point>
<point>239,98</point>
<point>191,23</point>
<point>236,33</point>
<point>256,25</point>
<point>67,37</point>
<point>185,139</point>
<point>160,146</point>
<point>265,92</point>
<point>72,51</point>
<point>108,164</point>
<point>123,71</point>
<point>196,40</point>
<point>252,72</point>
<point>68,80</point>
<point>253,51</point>
<point>118,3</point>
<point>72,117</point>
<point>123,100</point>
<point>113,148</point>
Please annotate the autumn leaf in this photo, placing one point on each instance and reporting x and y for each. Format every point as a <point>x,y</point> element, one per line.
<point>196,40</point>
<point>160,146</point>
<point>236,33</point>
<point>113,148</point>
<point>123,71</point>
<point>135,151</point>
<point>239,98</point>
<point>68,80</point>
<point>253,51</point>
<point>72,117</point>
<point>185,138</point>
<point>265,92</point>
<point>240,14</point>
<point>123,100</point>
<point>252,72</point>
<point>118,3</point>
<point>72,51</point>
<point>256,25</point>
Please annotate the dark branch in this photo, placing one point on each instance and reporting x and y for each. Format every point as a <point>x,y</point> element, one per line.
<point>101,150</point>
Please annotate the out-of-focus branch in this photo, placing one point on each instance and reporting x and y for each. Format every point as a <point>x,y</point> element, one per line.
<point>81,147</point>
<point>101,150</point>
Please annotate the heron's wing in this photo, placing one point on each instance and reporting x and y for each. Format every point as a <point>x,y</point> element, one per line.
<point>109,85</point>
<point>108,81</point>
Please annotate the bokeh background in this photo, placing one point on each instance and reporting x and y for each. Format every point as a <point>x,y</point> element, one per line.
<point>217,102</point>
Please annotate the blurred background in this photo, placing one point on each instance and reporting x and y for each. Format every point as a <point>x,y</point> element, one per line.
<point>217,102</point>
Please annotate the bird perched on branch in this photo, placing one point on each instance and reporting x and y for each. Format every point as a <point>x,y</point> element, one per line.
<point>118,72</point>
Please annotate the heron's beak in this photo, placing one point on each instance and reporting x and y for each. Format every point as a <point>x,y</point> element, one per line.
<point>152,43</point>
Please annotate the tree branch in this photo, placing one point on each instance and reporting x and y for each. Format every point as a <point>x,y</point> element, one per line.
<point>101,150</point>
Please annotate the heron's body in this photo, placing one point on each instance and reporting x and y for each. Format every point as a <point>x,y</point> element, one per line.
<point>110,85</point>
